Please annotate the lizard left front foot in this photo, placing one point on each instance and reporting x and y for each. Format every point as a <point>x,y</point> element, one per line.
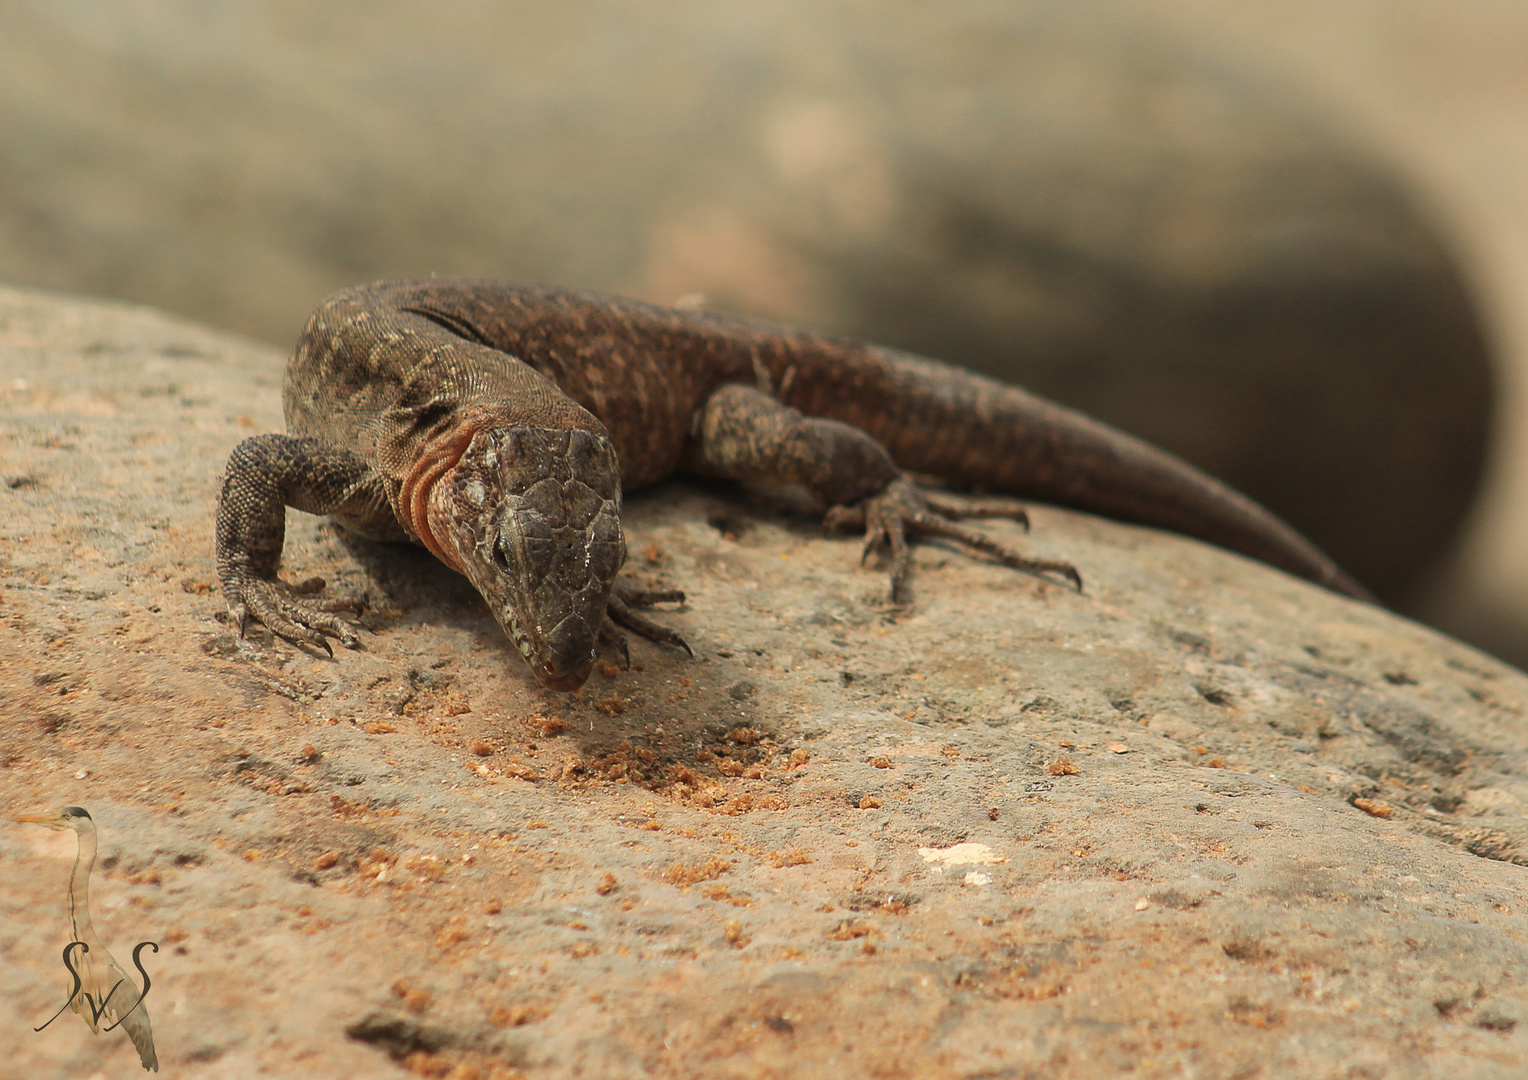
<point>901,509</point>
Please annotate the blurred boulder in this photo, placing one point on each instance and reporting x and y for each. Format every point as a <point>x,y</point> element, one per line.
<point>1065,198</point>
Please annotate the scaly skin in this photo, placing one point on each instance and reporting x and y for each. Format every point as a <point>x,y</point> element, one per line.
<point>497,425</point>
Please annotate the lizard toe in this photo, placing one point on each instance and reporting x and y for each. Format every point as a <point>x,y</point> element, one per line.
<point>902,510</point>
<point>932,524</point>
<point>957,509</point>
<point>620,612</point>
<point>611,637</point>
<point>300,621</point>
<point>886,519</point>
<point>647,597</point>
<point>845,518</point>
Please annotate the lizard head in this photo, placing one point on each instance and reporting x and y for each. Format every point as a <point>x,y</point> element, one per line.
<point>533,516</point>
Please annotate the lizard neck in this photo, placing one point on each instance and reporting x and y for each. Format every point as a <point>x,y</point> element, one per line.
<point>424,501</point>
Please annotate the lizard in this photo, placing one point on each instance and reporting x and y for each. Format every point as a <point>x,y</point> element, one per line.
<point>498,425</point>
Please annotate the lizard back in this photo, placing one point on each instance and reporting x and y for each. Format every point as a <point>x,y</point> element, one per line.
<point>414,353</point>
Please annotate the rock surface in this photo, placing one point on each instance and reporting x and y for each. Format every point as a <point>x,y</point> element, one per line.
<point>1064,195</point>
<point>1202,819</point>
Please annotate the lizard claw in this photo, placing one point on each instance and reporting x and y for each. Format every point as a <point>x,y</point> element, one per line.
<point>287,613</point>
<point>620,611</point>
<point>901,509</point>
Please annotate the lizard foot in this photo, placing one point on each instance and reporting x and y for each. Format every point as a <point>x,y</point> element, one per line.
<point>901,509</point>
<point>287,614</point>
<point>620,611</point>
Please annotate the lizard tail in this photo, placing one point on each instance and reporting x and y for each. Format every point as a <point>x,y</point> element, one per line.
<point>978,433</point>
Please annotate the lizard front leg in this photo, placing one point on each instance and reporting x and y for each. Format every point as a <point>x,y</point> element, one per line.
<point>743,433</point>
<point>266,474</point>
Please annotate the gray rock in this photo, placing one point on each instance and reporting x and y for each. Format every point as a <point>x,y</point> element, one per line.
<point>1061,195</point>
<point>1203,817</point>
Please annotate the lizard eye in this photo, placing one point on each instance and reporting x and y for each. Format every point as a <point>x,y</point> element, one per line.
<point>500,560</point>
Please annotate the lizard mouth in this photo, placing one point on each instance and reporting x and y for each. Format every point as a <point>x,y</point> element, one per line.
<point>566,681</point>
<point>563,659</point>
<point>533,515</point>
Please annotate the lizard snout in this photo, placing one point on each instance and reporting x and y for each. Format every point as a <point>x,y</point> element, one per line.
<point>567,655</point>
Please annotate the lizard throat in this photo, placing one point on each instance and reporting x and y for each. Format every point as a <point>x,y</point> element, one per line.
<point>424,501</point>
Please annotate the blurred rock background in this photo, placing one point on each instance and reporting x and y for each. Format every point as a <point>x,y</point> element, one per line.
<point>1282,238</point>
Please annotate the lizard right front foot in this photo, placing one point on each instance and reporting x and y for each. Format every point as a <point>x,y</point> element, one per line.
<point>287,613</point>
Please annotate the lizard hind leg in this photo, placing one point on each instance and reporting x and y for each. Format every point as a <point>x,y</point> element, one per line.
<point>889,516</point>
<point>745,434</point>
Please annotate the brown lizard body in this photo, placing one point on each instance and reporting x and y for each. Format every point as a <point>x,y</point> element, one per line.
<point>499,424</point>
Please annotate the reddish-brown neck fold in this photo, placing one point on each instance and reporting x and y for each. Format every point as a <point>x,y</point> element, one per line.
<point>439,457</point>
